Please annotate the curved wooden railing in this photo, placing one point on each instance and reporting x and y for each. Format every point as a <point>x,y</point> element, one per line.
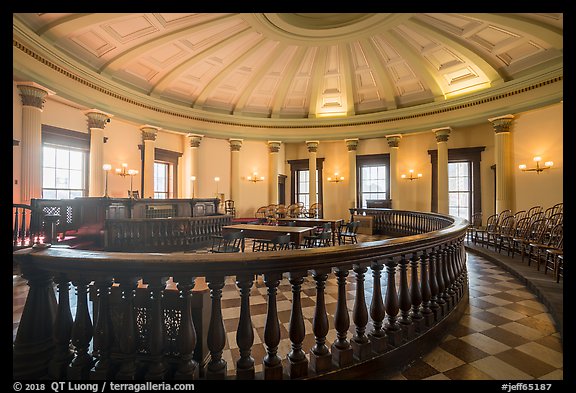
<point>148,330</point>
<point>401,223</point>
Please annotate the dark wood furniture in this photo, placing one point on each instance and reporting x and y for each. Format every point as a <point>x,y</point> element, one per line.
<point>270,231</point>
<point>313,222</point>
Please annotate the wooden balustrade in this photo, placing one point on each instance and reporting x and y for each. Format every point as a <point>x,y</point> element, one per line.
<point>141,328</point>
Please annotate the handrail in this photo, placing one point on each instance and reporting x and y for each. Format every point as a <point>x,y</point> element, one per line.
<point>434,262</point>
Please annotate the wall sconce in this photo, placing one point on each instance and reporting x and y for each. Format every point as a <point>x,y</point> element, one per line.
<point>107,168</point>
<point>411,177</point>
<point>336,178</point>
<point>192,179</point>
<point>216,179</point>
<point>255,178</point>
<point>538,169</point>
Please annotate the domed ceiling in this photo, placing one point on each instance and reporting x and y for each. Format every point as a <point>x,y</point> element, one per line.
<point>302,66</point>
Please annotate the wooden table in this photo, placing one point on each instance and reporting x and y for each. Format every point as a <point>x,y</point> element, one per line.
<point>312,222</point>
<point>270,231</point>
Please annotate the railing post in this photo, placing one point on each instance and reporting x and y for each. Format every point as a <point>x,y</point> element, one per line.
<point>187,367</point>
<point>415,294</point>
<point>434,306</point>
<point>360,343</point>
<point>393,330</point>
<point>342,353</point>
<point>102,331</point>
<point>216,367</point>
<point>448,294</point>
<point>128,331</point>
<point>245,332</point>
<point>157,367</point>
<point>425,278</point>
<point>298,363</point>
<point>272,362</point>
<point>443,306</point>
<point>405,303</point>
<point>63,353</point>
<point>377,336</point>
<point>81,333</point>
<point>320,357</point>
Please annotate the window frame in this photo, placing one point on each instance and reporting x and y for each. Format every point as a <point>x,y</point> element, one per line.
<point>371,160</point>
<point>300,165</point>
<point>469,192</point>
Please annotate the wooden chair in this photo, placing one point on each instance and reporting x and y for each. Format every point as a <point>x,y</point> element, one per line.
<point>480,232</point>
<point>281,211</point>
<point>302,209</point>
<point>293,211</point>
<point>271,214</point>
<point>261,214</point>
<point>492,233</point>
<point>534,234</point>
<point>319,237</point>
<point>551,240</point>
<point>348,231</point>
<point>505,232</point>
<point>555,261</point>
<point>229,242</point>
<point>533,210</point>
<point>229,207</point>
<point>279,243</point>
<point>314,211</point>
<point>474,225</point>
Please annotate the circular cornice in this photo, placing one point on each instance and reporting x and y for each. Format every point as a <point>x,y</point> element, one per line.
<point>35,60</point>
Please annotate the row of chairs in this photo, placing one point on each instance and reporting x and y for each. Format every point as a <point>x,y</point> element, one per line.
<point>271,213</point>
<point>536,234</point>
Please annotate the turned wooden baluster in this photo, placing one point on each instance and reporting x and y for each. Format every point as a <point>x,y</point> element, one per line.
<point>454,272</point>
<point>128,331</point>
<point>342,354</point>
<point>187,367</point>
<point>157,366</point>
<point>81,333</point>
<point>216,367</point>
<point>102,331</point>
<point>415,294</point>
<point>320,357</point>
<point>405,303</point>
<point>441,299</point>
<point>377,336</point>
<point>458,264</point>
<point>448,291</point>
<point>298,363</point>
<point>272,362</point>
<point>360,342</point>
<point>393,330</point>
<point>63,353</point>
<point>434,307</point>
<point>245,332</point>
<point>426,292</point>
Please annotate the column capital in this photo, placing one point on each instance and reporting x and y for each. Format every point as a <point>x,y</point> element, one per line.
<point>502,123</point>
<point>97,118</point>
<point>235,144</point>
<point>351,144</point>
<point>195,139</point>
<point>312,146</point>
<point>393,140</point>
<point>149,132</point>
<point>33,94</point>
<point>274,146</point>
<point>442,134</point>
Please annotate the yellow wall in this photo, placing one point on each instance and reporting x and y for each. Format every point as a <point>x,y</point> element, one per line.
<point>537,132</point>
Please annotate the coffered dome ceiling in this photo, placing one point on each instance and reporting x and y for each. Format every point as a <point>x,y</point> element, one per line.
<point>273,71</point>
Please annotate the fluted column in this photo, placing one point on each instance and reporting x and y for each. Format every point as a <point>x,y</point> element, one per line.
<point>192,189</point>
<point>394,144</point>
<point>149,139</point>
<point>312,149</point>
<point>503,155</point>
<point>442,143</point>
<point>352,146</point>
<point>96,123</point>
<point>235,145</point>
<point>33,97</point>
<point>273,148</point>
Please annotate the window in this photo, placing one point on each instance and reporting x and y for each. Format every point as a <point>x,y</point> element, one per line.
<point>300,181</point>
<point>64,163</point>
<point>303,187</point>
<point>373,172</point>
<point>162,180</point>
<point>459,189</point>
<point>63,172</point>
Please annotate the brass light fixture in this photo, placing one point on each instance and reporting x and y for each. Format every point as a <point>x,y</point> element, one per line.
<point>411,177</point>
<point>538,168</point>
<point>336,178</point>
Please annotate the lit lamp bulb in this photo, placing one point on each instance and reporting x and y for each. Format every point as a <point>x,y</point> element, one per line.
<point>548,164</point>
<point>522,166</point>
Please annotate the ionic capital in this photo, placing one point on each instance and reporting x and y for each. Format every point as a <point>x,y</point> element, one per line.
<point>351,144</point>
<point>312,146</point>
<point>97,119</point>
<point>274,146</point>
<point>502,123</point>
<point>235,144</point>
<point>32,94</point>
<point>149,133</point>
<point>442,134</point>
<point>393,140</point>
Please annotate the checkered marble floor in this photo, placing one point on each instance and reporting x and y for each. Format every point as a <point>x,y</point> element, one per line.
<point>505,334</point>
